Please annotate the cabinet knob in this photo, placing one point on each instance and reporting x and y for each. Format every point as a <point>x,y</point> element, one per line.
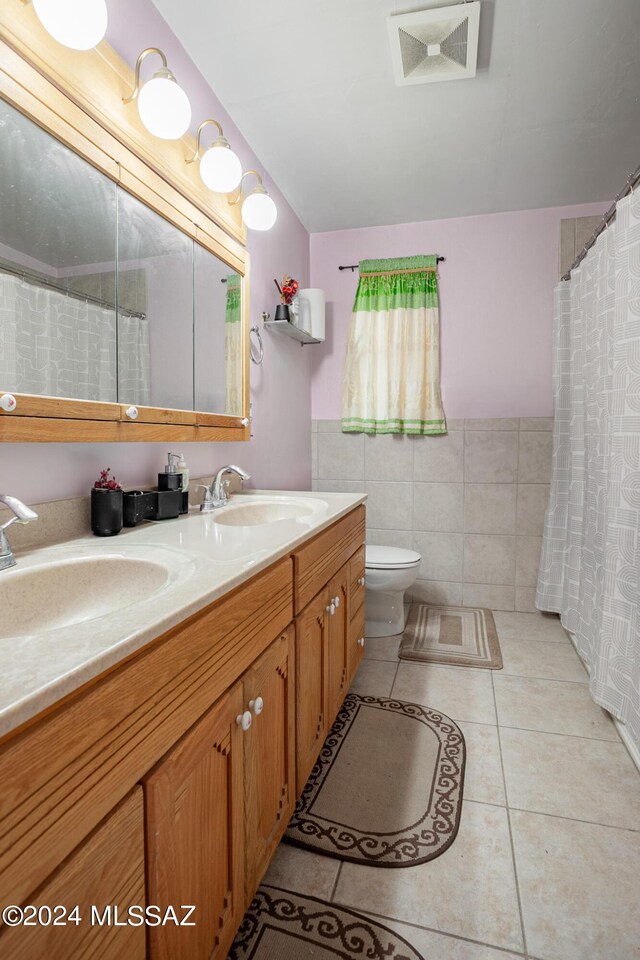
<point>245,421</point>
<point>256,706</point>
<point>244,720</point>
<point>336,602</point>
<point>361,642</point>
<point>8,402</point>
<point>361,581</point>
<point>132,413</point>
<point>331,609</point>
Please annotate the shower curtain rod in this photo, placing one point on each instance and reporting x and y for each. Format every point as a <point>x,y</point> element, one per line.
<point>39,281</point>
<point>632,180</point>
<point>354,266</point>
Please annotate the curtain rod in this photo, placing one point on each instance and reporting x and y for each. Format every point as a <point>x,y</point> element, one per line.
<point>632,180</point>
<point>39,281</point>
<point>354,266</point>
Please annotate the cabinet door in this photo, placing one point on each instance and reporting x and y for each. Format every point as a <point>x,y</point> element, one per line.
<point>311,685</point>
<point>339,620</point>
<point>357,576</point>
<point>107,871</point>
<point>270,760</point>
<point>195,835</point>
<point>356,644</point>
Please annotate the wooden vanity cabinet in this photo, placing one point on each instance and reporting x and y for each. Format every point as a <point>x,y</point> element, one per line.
<point>194,801</point>
<point>312,678</point>
<point>356,639</point>
<point>146,786</point>
<point>217,806</point>
<point>327,633</point>
<point>338,639</point>
<point>107,870</point>
<point>269,755</point>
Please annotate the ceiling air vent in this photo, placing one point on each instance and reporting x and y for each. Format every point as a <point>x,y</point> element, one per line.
<point>431,45</point>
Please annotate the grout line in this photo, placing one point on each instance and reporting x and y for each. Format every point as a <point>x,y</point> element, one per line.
<point>575,683</point>
<point>526,676</point>
<point>441,933</point>
<point>335,885</point>
<point>560,816</point>
<point>575,736</point>
<point>513,849</point>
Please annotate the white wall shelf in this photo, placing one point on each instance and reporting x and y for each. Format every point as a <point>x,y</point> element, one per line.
<point>289,330</point>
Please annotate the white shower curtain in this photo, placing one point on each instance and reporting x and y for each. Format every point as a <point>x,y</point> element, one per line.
<point>56,345</point>
<point>590,563</point>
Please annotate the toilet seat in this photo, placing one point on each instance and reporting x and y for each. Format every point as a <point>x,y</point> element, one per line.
<point>390,558</point>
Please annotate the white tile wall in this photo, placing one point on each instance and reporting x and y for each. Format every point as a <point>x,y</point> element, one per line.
<point>471,502</point>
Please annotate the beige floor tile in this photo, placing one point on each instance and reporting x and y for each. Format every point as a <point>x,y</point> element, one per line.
<point>460,692</point>
<point>374,678</point>
<point>552,706</point>
<point>440,946</point>
<point>468,891</point>
<point>381,648</point>
<point>539,658</point>
<point>529,626</point>
<point>309,874</point>
<point>579,888</point>
<point>590,779</point>
<point>483,780</point>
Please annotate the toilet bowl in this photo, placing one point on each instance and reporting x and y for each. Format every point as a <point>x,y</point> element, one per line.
<point>389,572</point>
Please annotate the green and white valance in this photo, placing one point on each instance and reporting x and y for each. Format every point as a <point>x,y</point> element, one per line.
<point>233,347</point>
<point>392,367</point>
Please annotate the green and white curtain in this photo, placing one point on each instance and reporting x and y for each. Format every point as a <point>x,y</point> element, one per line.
<point>233,347</point>
<point>392,367</point>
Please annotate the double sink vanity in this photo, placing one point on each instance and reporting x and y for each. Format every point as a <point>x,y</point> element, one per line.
<point>164,697</point>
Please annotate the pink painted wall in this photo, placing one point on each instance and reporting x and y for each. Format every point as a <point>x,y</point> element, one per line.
<point>279,455</point>
<point>496,301</point>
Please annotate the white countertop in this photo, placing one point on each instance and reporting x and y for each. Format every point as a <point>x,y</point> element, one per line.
<point>205,560</point>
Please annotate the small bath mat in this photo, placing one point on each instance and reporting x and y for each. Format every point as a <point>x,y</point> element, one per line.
<point>280,925</point>
<point>459,636</point>
<point>387,787</point>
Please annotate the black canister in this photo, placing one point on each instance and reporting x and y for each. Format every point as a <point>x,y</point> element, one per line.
<point>106,512</point>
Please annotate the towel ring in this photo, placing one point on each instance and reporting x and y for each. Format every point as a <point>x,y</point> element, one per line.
<point>257,360</point>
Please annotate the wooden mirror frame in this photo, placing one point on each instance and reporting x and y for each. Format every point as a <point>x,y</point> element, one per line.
<point>77,97</point>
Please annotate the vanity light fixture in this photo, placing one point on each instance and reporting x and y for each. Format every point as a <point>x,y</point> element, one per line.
<point>163,106</point>
<point>220,168</point>
<point>79,24</point>
<point>259,212</point>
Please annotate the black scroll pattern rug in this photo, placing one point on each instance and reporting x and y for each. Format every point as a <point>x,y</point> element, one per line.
<point>280,925</point>
<point>387,787</point>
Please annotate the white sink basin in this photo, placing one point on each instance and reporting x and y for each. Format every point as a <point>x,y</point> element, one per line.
<point>69,591</point>
<point>266,510</point>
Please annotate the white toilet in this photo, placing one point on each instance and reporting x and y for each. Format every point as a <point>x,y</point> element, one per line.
<point>390,571</point>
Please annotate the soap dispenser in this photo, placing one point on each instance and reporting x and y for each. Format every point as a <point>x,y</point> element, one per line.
<point>183,472</point>
<point>170,479</point>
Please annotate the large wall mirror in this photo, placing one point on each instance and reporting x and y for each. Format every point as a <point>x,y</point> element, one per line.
<point>101,298</point>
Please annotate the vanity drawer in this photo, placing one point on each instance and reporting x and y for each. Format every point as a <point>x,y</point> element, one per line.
<point>357,580</point>
<point>319,560</point>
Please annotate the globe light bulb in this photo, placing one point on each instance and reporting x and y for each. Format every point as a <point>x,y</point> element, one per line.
<point>259,212</point>
<point>164,107</point>
<point>79,24</point>
<point>220,168</point>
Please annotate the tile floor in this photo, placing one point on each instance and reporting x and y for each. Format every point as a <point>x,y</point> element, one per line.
<point>546,865</point>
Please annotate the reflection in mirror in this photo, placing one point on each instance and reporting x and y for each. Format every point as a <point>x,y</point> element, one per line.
<point>155,308</point>
<point>57,267</point>
<point>218,335</point>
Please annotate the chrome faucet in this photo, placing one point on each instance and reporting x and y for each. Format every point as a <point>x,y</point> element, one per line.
<point>23,514</point>
<point>215,496</point>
